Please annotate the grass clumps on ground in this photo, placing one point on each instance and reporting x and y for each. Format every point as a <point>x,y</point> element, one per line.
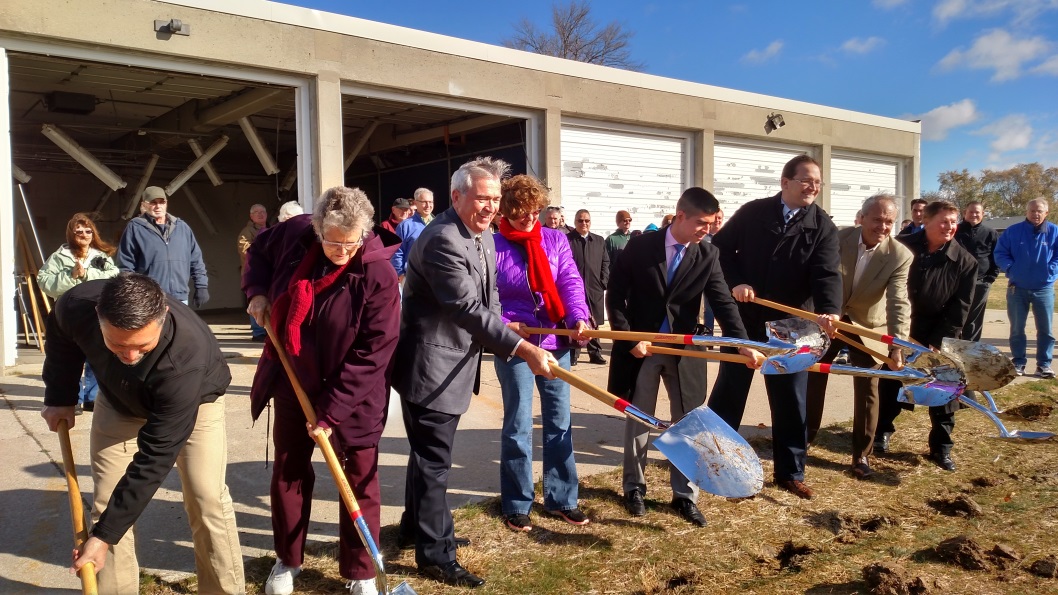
<point>990,527</point>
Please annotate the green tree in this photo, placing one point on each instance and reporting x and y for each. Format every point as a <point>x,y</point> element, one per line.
<point>575,35</point>
<point>1004,193</point>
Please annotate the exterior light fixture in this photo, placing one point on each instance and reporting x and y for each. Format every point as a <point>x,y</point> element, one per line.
<point>773,123</point>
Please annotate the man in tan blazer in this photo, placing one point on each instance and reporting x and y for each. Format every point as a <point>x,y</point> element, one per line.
<point>874,271</point>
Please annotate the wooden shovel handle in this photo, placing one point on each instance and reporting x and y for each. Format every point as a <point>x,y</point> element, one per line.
<point>709,355</point>
<point>617,335</point>
<point>73,491</point>
<point>587,387</point>
<point>845,326</point>
<point>854,343</point>
<point>344,489</point>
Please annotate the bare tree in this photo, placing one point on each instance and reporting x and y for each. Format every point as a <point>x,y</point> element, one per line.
<point>576,36</point>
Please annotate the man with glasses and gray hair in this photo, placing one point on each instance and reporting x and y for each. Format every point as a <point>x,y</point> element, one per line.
<point>409,229</point>
<point>593,264</point>
<point>452,314</point>
<point>164,248</point>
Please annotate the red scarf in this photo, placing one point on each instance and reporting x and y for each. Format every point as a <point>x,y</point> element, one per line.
<point>293,307</point>
<point>540,279</point>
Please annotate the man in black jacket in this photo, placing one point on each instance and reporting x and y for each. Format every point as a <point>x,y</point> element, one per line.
<point>593,264</point>
<point>783,248</point>
<point>657,286</point>
<point>980,241</point>
<point>162,378</point>
<point>917,207</point>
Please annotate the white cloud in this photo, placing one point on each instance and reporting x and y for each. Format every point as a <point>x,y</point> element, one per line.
<point>1024,10</point>
<point>1012,133</point>
<point>862,46</point>
<point>997,50</point>
<point>759,56</point>
<point>887,4</point>
<point>937,122</point>
<point>1050,66</point>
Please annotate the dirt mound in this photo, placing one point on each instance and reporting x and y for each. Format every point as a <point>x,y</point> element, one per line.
<point>965,552</point>
<point>960,505</point>
<point>793,556</point>
<point>845,524</point>
<point>1032,411</point>
<point>890,578</point>
<point>1045,567</point>
<point>986,482</point>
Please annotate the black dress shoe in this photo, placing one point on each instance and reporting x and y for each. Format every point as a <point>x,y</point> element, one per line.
<point>597,359</point>
<point>881,443</point>
<point>943,460</point>
<point>89,406</point>
<point>634,503</point>
<point>407,542</point>
<point>689,511</point>
<point>451,573</point>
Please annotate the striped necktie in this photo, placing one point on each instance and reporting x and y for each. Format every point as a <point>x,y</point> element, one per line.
<point>481,259</point>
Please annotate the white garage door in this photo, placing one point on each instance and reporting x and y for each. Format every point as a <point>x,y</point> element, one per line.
<point>745,172</point>
<point>606,170</point>
<point>853,180</point>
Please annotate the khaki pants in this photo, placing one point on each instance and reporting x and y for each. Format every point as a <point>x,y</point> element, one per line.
<point>202,464</point>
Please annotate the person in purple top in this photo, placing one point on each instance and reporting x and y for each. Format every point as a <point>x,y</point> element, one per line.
<point>539,286</point>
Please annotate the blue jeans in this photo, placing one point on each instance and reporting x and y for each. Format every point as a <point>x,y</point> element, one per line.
<point>1019,300</point>
<point>256,330</point>
<point>516,440</point>
<point>89,386</point>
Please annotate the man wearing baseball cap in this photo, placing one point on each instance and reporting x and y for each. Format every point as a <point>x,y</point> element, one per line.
<point>164,248</point>
<point>400,211</point>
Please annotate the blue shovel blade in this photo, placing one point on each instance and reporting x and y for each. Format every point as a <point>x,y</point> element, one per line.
<point>933,394</point>
<point>712,455</point>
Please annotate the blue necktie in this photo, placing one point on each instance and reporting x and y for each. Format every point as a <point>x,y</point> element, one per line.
<point>675,264</point>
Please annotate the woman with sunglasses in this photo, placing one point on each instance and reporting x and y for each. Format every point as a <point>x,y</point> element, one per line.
<point>84,257</point>
<point>326,283</point>
<point>539,286</point>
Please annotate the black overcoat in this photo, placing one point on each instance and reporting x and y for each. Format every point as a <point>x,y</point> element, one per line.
<point>593,264</point>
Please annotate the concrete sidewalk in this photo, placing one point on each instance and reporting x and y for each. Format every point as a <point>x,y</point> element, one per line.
<point>35,533</point>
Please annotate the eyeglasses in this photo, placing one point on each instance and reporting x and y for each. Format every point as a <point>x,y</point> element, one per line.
<point>583,220</point>
<point>347,246</point>
<point>810,183</point>
<point>83,232</point>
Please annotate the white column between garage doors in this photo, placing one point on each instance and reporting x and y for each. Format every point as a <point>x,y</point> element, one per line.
<point>609,167</point>
<point>855,178</point>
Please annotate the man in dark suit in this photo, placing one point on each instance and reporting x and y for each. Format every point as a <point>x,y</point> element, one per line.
<point>657,286</point>
<point>783,248</point>
<point>918,206</point>
<point>593,264</point>
<point>453,313</point>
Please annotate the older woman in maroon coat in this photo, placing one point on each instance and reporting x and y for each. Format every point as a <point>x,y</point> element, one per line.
<point>334,304</point>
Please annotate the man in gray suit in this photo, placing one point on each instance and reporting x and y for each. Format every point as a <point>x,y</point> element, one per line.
<point>453,314</point>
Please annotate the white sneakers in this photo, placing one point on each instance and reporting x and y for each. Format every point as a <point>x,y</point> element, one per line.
<point>362,587</point>
<point>281,579</point>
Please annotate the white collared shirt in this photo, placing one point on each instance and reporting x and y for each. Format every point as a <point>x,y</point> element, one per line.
<point>863,258</point>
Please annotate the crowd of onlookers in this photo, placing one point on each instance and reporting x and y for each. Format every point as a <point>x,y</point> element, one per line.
<point>499,271</point>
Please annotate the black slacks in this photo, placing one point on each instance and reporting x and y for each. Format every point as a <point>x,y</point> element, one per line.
<point>426,512</point>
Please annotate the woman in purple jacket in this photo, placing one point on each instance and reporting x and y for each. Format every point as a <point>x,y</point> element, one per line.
<point>334,304</point>
<point>539,286</point>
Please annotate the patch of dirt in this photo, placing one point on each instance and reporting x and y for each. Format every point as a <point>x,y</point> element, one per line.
<point>1005,557</point>
<point>1045,567</point>
<point>965,552</point>
<point>986,482</point>
<point>842,524</point>
<point>793,556</point>
<point>961,505</point>
<point>1032,411</point>
<point>891,578</point>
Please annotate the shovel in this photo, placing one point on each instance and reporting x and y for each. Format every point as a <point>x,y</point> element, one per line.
<point>344,490</point>
<point>985,366</point>
<point>701,445</point>
<point>1026,436</point>
<point>940,366</point>
<point>793,345</point>
<point>919,388</point>
<point>80,530</point>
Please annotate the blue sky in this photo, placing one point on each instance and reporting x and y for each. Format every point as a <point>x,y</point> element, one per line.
<point>981,74</point>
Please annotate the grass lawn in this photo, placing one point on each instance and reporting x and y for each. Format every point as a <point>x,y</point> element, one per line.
<point>1003,493</point>
<point>997,297</point>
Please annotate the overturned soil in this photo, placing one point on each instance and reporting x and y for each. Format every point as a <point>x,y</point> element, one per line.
<point>1032,411</point>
